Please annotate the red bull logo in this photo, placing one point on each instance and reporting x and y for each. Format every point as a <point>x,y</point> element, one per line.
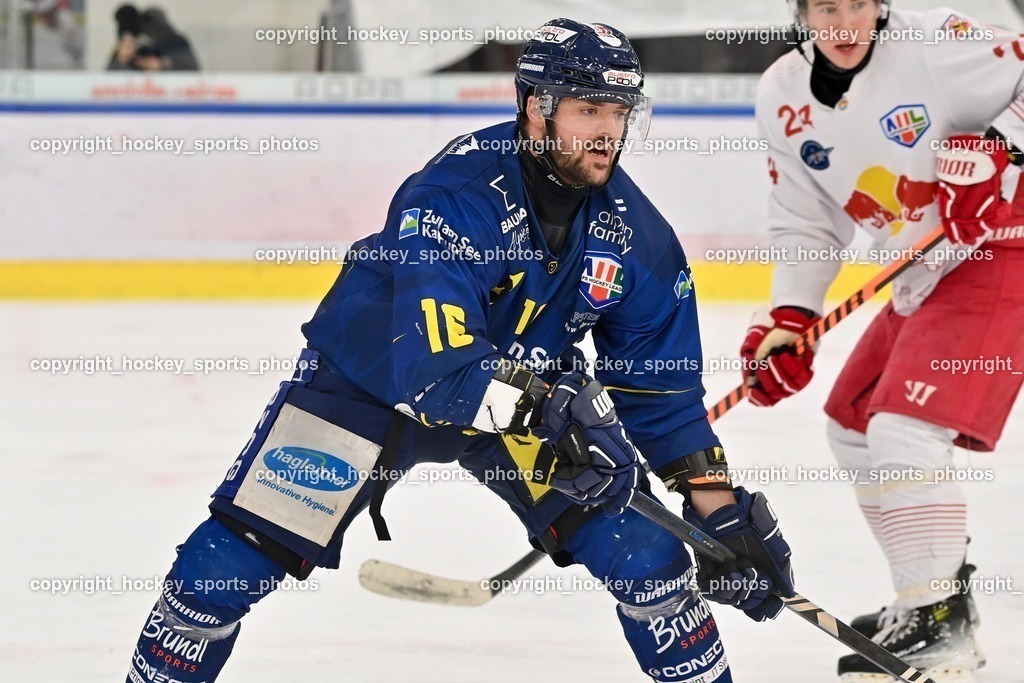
<point>906,124</point>
<point>606,35</point>
<point>883,200</point>
<point>957,27</point>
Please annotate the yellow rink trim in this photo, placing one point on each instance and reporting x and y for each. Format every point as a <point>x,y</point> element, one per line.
<point>243,280</point>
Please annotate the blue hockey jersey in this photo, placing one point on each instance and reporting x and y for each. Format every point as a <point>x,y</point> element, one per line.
<point>460,276</point>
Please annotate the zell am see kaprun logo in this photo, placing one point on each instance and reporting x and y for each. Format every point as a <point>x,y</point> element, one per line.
<point>409,224</point>
<point>684,285</point>
<point>310,469</point>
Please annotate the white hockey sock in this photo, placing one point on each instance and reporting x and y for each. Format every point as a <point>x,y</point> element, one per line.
<point>923,522</point>
<point>850,449</point>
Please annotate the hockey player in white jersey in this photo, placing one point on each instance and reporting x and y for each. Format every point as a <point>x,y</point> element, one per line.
<point>894,123</point>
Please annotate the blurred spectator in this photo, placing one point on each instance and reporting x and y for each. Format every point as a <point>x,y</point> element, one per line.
<point>147,42</point>
<point>56,15</point>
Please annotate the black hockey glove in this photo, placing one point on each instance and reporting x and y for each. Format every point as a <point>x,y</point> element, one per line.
<point>761,571</point>
<point>597,464</point>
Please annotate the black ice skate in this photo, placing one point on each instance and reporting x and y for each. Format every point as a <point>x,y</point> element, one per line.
<point>937,639</point>
<point>870,624</point>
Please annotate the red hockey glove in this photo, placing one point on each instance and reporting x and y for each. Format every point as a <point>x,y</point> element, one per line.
<point>771,367</point>
<point>970,171</point>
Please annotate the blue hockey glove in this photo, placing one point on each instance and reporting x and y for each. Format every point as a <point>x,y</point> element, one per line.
<point>597,464</point>
<point>761,571</point>
<point>571,361</point>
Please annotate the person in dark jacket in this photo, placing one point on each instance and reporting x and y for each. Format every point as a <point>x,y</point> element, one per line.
<point>146,41</point>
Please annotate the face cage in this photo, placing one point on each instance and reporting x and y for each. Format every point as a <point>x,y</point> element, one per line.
<point>638,122</point>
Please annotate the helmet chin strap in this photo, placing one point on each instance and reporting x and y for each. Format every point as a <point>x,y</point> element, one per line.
<point>826,68</point>
<point>547,160</point>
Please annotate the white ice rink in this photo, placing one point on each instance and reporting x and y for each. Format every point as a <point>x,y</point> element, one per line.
<point>105,474</point>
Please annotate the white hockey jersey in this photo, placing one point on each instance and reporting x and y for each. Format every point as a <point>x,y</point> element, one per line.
<point>870,161</point>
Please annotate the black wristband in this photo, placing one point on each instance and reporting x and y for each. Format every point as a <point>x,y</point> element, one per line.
<point>705,470</point>
<point>1016,156</point>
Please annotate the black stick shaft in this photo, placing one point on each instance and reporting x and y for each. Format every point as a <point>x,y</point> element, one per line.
<point>705,545</point>
<point>516,570</point>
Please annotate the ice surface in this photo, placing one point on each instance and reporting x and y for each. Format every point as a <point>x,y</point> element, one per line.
<point>106,474</point>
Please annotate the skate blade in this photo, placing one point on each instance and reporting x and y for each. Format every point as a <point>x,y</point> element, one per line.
<point>979,654</point>
<point>939,674</point>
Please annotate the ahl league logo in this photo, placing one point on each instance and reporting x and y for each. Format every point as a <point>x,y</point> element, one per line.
<point>906,124</point>
<point>601,282</point>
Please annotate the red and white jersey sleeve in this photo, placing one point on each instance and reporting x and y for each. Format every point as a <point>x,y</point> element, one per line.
<point>869,162</point>
<point>979,76</point>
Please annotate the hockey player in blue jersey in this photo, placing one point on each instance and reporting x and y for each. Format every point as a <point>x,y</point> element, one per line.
<point>449,336</point>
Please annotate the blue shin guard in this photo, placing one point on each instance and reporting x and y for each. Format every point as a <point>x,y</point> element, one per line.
<point>192,628</point>
<point>667,623</point>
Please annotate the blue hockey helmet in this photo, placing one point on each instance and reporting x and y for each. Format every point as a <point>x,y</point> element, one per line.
<point>567,58</point>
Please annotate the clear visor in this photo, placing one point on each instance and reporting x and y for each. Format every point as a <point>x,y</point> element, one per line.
<point>592,112</point>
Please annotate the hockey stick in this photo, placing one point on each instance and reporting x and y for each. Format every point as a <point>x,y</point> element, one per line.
<point>396,581</point>
<point>852,303</point>
<point>807,610</point>
<point>400,582</point>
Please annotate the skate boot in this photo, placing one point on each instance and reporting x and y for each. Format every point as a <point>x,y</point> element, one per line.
<point>937,639</point>
<point>870,624</point>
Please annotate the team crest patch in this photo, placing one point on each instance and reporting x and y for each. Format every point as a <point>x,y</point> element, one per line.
<point>957,27</point>
<point>684,285</point>
<point>601,282</point>
<point>906,124</point>
<point>409,225</point>
<point>815,155</point>
<point>605,34</point>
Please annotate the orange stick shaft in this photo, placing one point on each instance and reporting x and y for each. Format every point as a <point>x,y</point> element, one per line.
<point>852,303</point>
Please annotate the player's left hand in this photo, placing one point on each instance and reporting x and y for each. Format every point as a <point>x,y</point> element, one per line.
<point>970,171</point>
<point>597,463</point>
<point>761,571</point>
<point>772,369</point>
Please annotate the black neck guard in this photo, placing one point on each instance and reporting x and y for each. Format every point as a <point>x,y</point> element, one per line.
<point>828,82</point>
<point>555,202</point>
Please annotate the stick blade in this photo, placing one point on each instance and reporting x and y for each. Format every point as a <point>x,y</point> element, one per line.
<point>402,583</point>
